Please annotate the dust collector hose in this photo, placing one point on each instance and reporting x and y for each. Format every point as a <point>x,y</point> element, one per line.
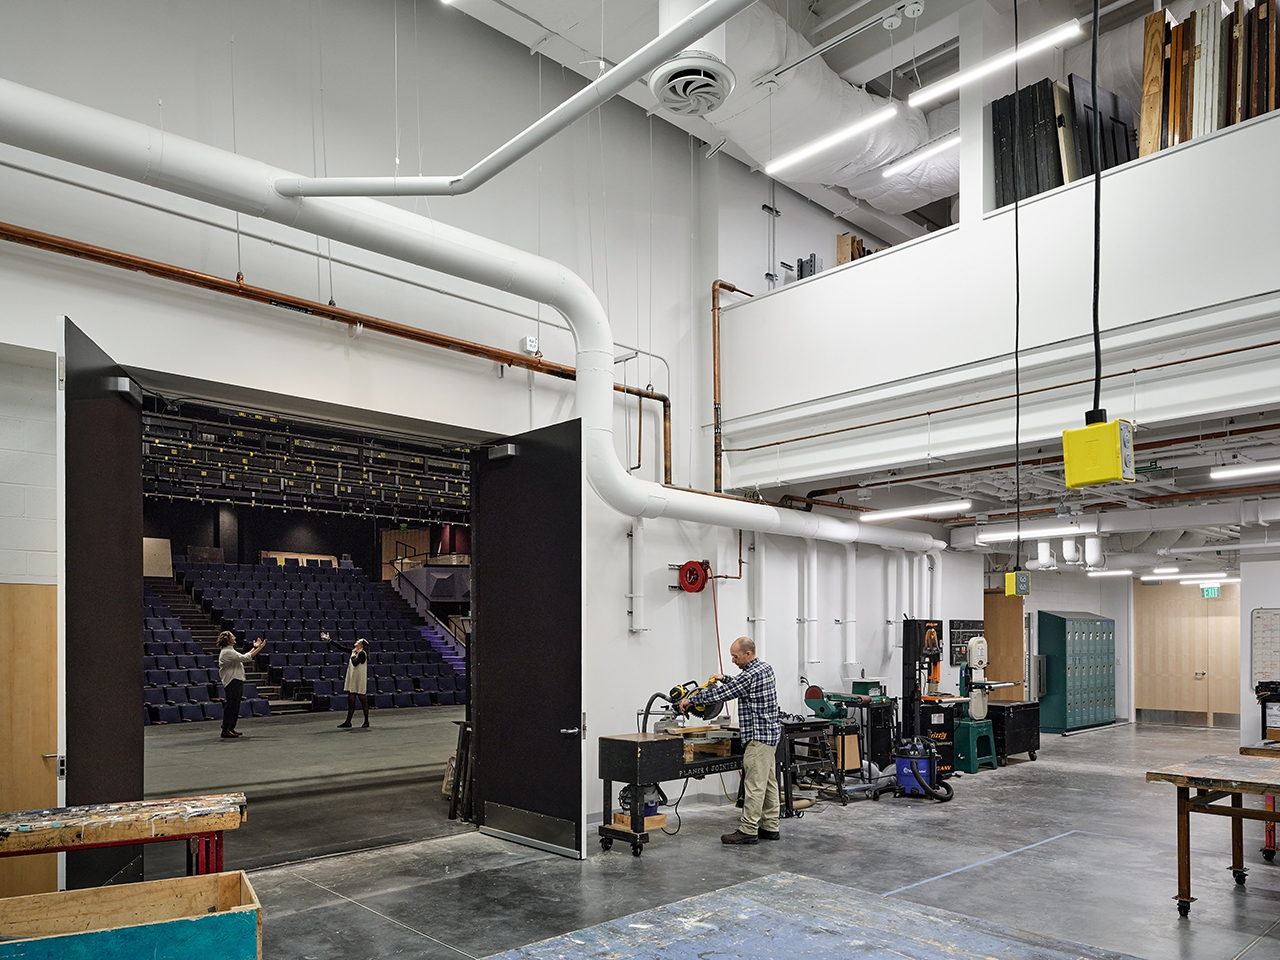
<point>644,727</point>
<point>942,795</point>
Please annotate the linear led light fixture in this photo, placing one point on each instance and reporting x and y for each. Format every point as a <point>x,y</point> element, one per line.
<point>1164,570</point>
<point>935,91</point>
<point>1030,533</point>
<point>920,156</point>
<point>1244,470</point>
<point>831,140</point>
<point>1111,573</point>
<point>1186,577</point>
<point>924,510</point>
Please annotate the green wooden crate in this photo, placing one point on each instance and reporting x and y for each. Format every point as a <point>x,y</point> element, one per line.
<point>211,917</point>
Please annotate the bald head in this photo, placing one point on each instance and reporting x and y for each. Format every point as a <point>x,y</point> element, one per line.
<point>742,651</point>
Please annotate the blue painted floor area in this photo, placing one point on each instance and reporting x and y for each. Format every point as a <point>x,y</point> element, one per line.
<point>789,917</point>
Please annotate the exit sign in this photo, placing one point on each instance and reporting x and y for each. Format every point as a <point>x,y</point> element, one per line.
<point>1209,593</point>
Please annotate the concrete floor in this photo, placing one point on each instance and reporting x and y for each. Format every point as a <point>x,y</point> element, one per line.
<point>1075,846</point>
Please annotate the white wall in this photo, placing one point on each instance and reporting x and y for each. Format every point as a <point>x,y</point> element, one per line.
<point>1259,589</point>
<point>28,468</point>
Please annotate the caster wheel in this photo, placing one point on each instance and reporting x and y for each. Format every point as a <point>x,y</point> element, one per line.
<point>875,795</point>
<point>1240,877</point>
<point>1184,909</point>
<point>637,849</point>
<point>1268,855</point>
<point>606,844</point>
<point>1003,761</point>
<point>1032,755</point>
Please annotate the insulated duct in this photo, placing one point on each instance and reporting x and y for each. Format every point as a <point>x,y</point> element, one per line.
<point>72,132</point>
<point>811,101</point>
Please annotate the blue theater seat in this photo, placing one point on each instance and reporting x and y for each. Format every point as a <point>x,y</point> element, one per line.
<point>402,699</point>
<point>445,697</point>
<point>381,701</point>
<point>152,696</point>
<point>260,707</point>
<point>174,694</point>
<point>198,693</point>
<point>190,711</point>
<point>166,713</point>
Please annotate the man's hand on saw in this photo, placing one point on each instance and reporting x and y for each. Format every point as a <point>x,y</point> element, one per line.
<point>684,705</point>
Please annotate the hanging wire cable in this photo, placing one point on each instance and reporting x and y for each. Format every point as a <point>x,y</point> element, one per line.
<point>395,82</point>
<point>1097,414</point>
<point>915,26</point>
<point>324,139</point>
<point>235,149</point>
<point>1017,300</point>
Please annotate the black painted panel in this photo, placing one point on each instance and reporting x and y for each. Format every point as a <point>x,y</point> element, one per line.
<point>526,654</point>
<point>103,601</point>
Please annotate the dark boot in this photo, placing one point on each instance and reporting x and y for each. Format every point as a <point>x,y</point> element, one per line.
<point>738,838</point>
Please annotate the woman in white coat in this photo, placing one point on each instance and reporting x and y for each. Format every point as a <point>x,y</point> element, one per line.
<point>357,680</point>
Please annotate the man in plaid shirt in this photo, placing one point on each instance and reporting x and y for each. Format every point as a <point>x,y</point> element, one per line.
<point>757,695</point>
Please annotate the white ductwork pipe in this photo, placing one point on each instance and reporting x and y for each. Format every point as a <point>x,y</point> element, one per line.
<point>1093,556</point>
<point>757,620</point>
<point>893,594</point>
<point>636,595</point>
<point>917,586</point>
<point>1044,553</point>
<point>935,584</point>
<point>849,623</point>
<point>684,31</point>
<point>78,134</point>
<point>904,588</point>
<point>809,618</point>
<point>1070,551</point>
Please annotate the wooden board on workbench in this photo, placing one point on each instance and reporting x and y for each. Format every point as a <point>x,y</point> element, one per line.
<point>711,748</point>
<point>1263,748</point>
<point>1235,774</point>
<point>116,822</point>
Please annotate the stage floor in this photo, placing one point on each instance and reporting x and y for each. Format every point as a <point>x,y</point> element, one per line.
<point>789,916</point>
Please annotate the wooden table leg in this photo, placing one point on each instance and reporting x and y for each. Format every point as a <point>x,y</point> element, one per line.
<point>1238,869</point>
<point>1184,897</point>
<point>1269,835</point>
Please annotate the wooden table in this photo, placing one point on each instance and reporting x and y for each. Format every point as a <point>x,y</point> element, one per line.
<point>1215,779</point>
<point>1265,748</point>
<point>198,820</point>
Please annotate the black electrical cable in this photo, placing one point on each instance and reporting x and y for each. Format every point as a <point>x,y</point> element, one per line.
<point>675,808</point>
<point>649,707</point>
<point>1097,414</point>
<point>1017,302</point>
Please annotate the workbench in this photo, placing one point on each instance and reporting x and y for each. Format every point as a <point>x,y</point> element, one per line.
<point>1265,748</point>
<point>198,820</point>
<point>643,758</point>
<point>1215,779</point>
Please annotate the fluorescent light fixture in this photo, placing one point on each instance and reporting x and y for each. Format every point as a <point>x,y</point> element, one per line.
<point>1214,582</point>
<point>1187,577</point>
<point>1244,470</point>
<point>1029,533</point>
<point>1165,570</point>
<point>920,156</point>
<point>924,510</point>
<point>1111,573</point>
<point>830,140</point>
<point>935,91</point>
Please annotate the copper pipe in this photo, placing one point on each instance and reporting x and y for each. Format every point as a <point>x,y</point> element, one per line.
<point>237,288</point>
<point>1008,396</point>
<point>725,576</point>
<point>716,287</point>
<point>810,503</point>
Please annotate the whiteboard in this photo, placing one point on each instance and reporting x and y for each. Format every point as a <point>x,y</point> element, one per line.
<point>1265,635</point>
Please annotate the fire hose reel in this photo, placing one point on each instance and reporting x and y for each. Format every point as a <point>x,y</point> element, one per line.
<point>694,575</point>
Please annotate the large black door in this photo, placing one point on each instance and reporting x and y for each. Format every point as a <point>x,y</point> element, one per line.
<point>526,656</point>
<point>103,599</point>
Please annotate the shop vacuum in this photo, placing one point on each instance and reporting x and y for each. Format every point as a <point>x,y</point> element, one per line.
<point>916,761</point>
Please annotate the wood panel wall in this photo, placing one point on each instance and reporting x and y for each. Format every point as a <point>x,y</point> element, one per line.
<point>28,722</point>
<point>1006,642</point>
<point>1187,653</point>
<point>419,541</point>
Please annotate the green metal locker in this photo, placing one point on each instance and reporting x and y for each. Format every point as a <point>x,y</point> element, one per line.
<point>1080,670</point>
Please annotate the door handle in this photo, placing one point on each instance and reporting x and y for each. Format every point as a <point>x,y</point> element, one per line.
<point>1201,673</point>
<point>570,731</point>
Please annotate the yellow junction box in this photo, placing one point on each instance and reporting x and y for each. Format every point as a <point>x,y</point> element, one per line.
<point>1099,453</point>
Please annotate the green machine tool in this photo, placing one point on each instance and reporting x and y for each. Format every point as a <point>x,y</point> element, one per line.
<point>835,706</point>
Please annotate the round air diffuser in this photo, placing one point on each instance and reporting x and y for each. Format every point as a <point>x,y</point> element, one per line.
<point>692,84</point>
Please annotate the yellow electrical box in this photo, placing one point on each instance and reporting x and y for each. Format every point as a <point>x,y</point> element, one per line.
<point>1099,453</point>
<point>1017,584</point>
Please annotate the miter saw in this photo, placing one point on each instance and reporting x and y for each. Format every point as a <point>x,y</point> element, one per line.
<point>671,720</point>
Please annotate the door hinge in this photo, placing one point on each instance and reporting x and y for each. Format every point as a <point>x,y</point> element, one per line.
<point>62,373</point>
<point>62,763</point>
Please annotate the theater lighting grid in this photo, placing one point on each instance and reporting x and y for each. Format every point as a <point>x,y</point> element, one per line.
<point>920,156</point>
<point>1244,470</point>
<point>815,147</point>
<point>217,454</point>
<point>923,510</point>
<point>940,89</point>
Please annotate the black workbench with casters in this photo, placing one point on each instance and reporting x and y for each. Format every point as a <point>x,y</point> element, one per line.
<point>1016,726</point>
<point>643,758</point>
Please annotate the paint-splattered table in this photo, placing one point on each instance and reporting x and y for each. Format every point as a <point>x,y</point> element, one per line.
<point>198,820</point>
<point>1215,779</point>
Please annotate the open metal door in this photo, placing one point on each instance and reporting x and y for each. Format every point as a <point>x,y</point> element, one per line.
<point>103,457</point>
<point>526,647</point>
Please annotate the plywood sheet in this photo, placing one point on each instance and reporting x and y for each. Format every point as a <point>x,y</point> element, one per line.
<point>28,721</point>
<point>1006,643</point>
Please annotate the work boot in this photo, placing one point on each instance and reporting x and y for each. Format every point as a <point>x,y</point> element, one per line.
<point>738,838</point>
<point>769,834</point>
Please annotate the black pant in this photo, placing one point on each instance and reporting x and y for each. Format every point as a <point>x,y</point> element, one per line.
<point>231,710</point>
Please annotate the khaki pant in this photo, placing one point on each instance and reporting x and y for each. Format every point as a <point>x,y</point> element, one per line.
<point>760,777</point>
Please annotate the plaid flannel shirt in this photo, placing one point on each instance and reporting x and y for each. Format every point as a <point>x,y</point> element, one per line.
<point>757,695</point>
